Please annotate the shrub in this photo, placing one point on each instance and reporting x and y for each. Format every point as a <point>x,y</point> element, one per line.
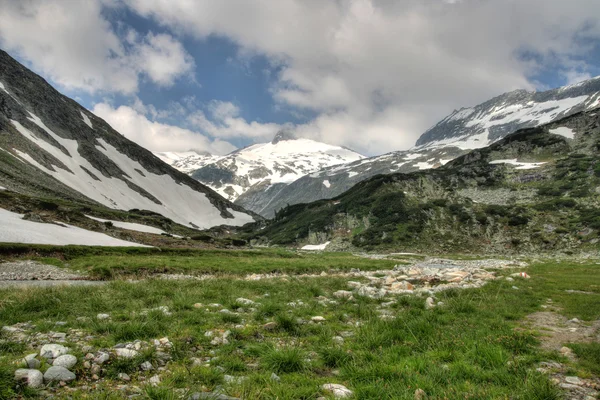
<point>285,360</point>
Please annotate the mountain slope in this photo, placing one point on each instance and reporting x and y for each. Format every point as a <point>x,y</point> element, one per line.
<point>50,146</point>
<point>535,190</point>
<point>263,166</point>
<point>455,135</point>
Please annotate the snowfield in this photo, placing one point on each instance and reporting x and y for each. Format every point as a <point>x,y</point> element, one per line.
<point>179,202</point>
<point>17,230</point>
<point>313,247</point>
<point>519,165</point>
<point>130,226</point>
<point>564,132</point>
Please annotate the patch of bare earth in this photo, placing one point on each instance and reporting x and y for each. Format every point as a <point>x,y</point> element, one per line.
<point>556,331</point>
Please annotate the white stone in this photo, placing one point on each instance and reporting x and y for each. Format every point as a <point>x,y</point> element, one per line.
<point>573,380</point>
<point>53,350</point>
<point>67,361</point>
<point>102,316</point>
<point>155,380</point>
<point>245,302</point>
<point>126,353</point>
<point>338,391</point>
<point>33,377</point>
<point>59,374</point>
<point>342,294</point>
<point>101,358</point>
<point>318,318</point>
<point>429,303</point>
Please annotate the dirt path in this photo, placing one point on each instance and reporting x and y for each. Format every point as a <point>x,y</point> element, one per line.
<point>556,331</point>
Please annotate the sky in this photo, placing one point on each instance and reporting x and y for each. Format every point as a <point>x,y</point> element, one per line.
<point>371,75</point>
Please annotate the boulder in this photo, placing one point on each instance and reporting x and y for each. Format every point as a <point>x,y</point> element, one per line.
<point>59,374</point>
<point>338,391</point>
<point>53,350</point>
<point>67,361</point>
<point>32,377</point>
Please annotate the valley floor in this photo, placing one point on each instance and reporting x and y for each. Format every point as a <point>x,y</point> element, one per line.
<point>293,325</point>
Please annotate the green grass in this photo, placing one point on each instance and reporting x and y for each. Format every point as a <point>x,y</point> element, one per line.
<point>467,349</point>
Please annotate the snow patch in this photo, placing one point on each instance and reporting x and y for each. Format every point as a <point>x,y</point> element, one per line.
<point>423,165</point>
<point>130,226</point>
<point>352,173</point>
<point>519,165</point>
<point>86,119</point>
<point>563,131</point>
<point>17,230</point>
<point>179,202</point>
<point>326,184</point>
<point>2,188</point>
<point>3,88</point>
<point>313,247</point>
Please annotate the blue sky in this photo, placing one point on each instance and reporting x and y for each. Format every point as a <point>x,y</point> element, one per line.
<point>372,75</point>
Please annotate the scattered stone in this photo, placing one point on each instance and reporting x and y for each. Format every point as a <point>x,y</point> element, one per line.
<point>32,377</point>
<point>573,380</point>
<point>318,318</point>
<point>515,287</point>
<point>31,362</point>
<point>245,302</point>
<point>155,380</point>
<point>275,378</point>
<point>420,394</point>
<point>102,316</point>
<point>404,285</point>
<point>429,303</point>
<point>371,292</point>
<point>509,279</point>
<point>126,353</point>
<point>269,326</point>
<point>67,361</point>
<point>101,358</point>
<point>338,391</point>
<point>146,366</point>
<point>124,377</point>
<point>53,350</point>
<point>211,396</point>
<point>338,340</point>
<point>566,351</point>
<point>59,374</point>
<point>342,294</point>
<point>198,305</point>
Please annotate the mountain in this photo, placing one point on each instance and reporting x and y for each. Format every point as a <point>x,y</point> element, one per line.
<point>266,166</point>
<point>52,147</point>
<point>537,190</point>
<point>188,161</point>
<point>457,134</point>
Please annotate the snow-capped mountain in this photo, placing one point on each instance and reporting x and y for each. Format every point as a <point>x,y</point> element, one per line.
<point>261,166</point>
<point>50,146</point>
<point>187,161</point>
<point>482,125</point>
<point>455,135</point>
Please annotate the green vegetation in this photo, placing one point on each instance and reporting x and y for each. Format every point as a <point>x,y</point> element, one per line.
<point>467,348</point>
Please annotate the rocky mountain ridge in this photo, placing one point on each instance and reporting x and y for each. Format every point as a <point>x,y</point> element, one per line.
<point>50,146</point>
<point>457,134</point>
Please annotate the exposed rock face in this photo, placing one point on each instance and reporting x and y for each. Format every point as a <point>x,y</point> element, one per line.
<point>50,146</point>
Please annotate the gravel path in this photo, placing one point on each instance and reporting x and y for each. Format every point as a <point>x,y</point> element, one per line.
<point>27,270</point>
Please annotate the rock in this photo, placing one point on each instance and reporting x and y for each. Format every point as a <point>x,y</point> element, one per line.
<point>102,316</point>
<point>146,366</point>
<point>404,285</point>
<point>33,377</point>
<point>211,396</point>
<point>31,362</point>
<point>338,391</point>
<point>59,374</point>
<point>371,292</point>
<point>198,305</point>
<point>155,380</point>
<point>126,353</point>
<point>234,380</point>
<point>338,340</point>
<point>101,358</point>
<point>245,302</point>
<point>67,361</point>
<point>53,350</point>
<point>515,288</point>
<point>566,351</point>
<point>275,378</point>
<point>342,294</point>
<point>573,380</point>
<point>429,303</point>
<point>420,394</point>
<point>509,279</point>
<point>269,326</point>
<point>124,377</point>
<point>318,318</point>
<point>354,285</point>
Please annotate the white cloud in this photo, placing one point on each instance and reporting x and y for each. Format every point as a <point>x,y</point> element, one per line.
<point>225,122</point>
<point>157,136</point>
<point>380,72</point>
<point>71,43</point>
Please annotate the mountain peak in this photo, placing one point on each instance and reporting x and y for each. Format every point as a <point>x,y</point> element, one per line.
<point>284,134</point>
